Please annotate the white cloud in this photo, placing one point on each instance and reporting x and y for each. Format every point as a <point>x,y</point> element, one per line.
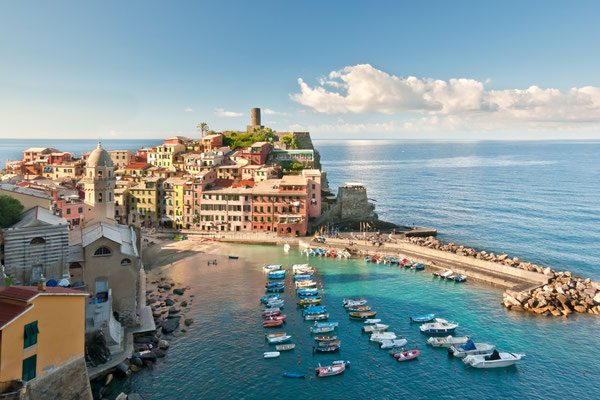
<point>222,113</point>
<point>189,109</point>
<point>268,111</point>
<point>453,104</point>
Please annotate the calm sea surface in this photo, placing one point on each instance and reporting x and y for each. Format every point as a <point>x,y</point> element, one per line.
<point>535,200</point>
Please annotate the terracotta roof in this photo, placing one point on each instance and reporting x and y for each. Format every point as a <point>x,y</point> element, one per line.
<point>243,182</point>
<point>223,182</point>
<point>137,165</point>
<point>28,293</point>
<point>9,312</point>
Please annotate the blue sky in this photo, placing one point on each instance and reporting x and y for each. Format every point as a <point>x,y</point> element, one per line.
<point>152,69</point>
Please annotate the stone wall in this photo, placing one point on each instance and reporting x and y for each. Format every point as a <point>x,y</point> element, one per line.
<point>69,381</point>
<point>353,204</point>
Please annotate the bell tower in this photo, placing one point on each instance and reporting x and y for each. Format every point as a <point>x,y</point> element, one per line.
<point>99,184</point>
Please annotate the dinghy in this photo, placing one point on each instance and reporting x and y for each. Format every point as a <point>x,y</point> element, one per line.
<point>375,327</point>
<point>285,347</point>
<point>297,267</point>
<point>407,355</point>
<point>422,318</point>
<point>362,314</point>
<point>392,344</point>
<point>323,329</point>
<point>272,324</point>
<point>439,326</point>
<point>471,349</point>
<point>325,338</point>
<point>272,354</point>
<point>275,304</point>
<point>271,312</point>
<point>275,317</point>
<point>372,321</point>
<point>445,274</point>
<point>331,370</point>
<point>494,360</point>
<point>293,375</point>
<point>316,317</point>
<point>279,339</point>
<point>382,336</point>
<point>308,292</point>
<point>309,301</point>
<point>329,343</point>
<point>447,341</point>
<point>460,278</point>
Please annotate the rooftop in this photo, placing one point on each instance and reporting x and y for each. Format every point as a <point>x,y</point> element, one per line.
<point>38,216</point>
<point>28,293</point>
<point>16,189</point>
<point>10,312</point>
<point>296,180</point>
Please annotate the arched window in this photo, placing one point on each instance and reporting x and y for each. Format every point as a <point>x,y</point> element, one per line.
<point>126,261</point>
<point>99,197</point>
<point>99,173</point>
<point>37,240</point>
<point>109,196</point>
<point>102,251</point>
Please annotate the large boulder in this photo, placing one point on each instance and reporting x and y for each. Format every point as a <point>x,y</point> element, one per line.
<point>169,302</point>
<point>170,325</point>
<point>188,321</point>
<point>179,291</point>
<point>163,344</point>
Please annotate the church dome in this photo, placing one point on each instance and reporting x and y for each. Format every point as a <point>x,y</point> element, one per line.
<point>99,158</point>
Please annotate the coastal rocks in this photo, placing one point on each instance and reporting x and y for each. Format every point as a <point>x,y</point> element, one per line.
<point>170,325</point>
<point>169,302</point>
<point>188,321</point>
<point>163,345</point>
<point>183,303</point>
<point>179,291</point>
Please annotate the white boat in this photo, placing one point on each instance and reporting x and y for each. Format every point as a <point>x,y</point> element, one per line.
<point>279,339</point>
<point>316,317</point>
<point>305,284</point>
<point>439,326</point>
<point>271,267</point>
<point>275,304</point>
<point>272,354</point>
<point>372,321</point>
<point>447,341</point>
<point>471,349</point>
<point>382,336</point>
<point>375,327</point>
<point>355,303</point>
<point>285,347</point>
<point>286,247</point>
<point>296,267</point>
<point>494,360</point>
<point>390,344</point>
<point>446,273</point>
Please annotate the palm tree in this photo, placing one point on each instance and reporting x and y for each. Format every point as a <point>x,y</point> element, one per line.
<point>202,127</point>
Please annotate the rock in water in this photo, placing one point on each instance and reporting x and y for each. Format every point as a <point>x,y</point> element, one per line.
<point>134,396</point>
<point>163,344</point>
<point>169,302</point>
<point>183,304</point>
<point>170,325</point>
<point>137,362</point>
<point>179,291</point>
<point>158,353</point>
<point>188,321</point>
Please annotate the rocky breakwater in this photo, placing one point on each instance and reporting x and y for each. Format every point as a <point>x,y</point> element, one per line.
<point>564,294</point>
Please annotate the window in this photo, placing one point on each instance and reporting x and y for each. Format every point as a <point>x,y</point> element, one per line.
<point>37,240</point>
<point>68,211</point>
<point>102,251</point>
<point>80,210</point>
<point>126,261</point>
<point>29,367</point>
<point>31,332</point>
<point>99,197</point>
<point>313,185</point>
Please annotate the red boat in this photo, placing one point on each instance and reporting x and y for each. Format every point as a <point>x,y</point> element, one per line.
<point>407,355</point>
<point>272,323</point>
<point>330,370</point>
<point>276,317</point>
<point>266,314</point>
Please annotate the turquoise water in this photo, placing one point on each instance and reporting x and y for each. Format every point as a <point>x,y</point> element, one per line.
<point>221,354</point>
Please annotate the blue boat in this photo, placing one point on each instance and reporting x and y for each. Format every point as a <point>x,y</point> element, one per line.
<point>368,259</point>
<point>275,289</point>
<point>423,318</point>
<point>313,310</point>
<point>277,274</point>
<point>266,298</point>
<point>275,283</point>
<point>308,292</point>
<point>293,375</point>
<point>418,266</point>
<point>303,278</point>
<point>308,296</point>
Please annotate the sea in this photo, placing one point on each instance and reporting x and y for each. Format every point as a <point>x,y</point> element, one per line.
<point>534,200</point>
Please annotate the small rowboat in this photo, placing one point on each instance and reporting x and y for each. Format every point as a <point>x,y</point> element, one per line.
<point>422,318</point>
<point>272,324</point>
<point>327,349</point>
<point>268,297</point>
<point>330,370</point>
<point>362,314</point>
<point>325,338</point>
<point>274,335</point>
<point>308,292</point>
<point>354,303</point>
<point>273,313</point>
<point>275,289</point>
<point>407,355</point>
<point>382,337</point>
<point>277,274</point>
<point>329,343</point>
<point>316,317</point>
<point>352,299</point>
<point>309,302</point>
<point>280,339</point>
<point>285,347</point>
<point>303,278</point>
<point>293,375</point>
<point>275,283</point>
<point>323,329</point>
<point>372,321</point>
<point>276,318</point>
<point>233,257</point>
<point>322,324</point>
<point>305,284</point>
<point>272,267</point>
<point>359,308</point>
<point>272,354</point>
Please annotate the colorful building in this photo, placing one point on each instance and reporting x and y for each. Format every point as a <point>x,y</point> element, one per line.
<point>258,153</point>
<point>33,153</point>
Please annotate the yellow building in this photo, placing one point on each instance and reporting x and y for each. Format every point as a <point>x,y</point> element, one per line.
<point>167,153</point>
<point>143,199</point>
<point>40,330</point>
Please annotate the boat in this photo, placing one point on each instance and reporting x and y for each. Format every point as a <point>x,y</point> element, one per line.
<point>362,314</point>
<point>266,298</point>
<point>330,370</point>
<point>375,327</point>
<point>275,317</point>
<point>471,349</point>
<point>327,349</point>
<point>293,375</point>
<point>372,321</point>
<point>447,341</point>
<point>407,355</point>
<point>272,324</point>
<point>285,347</point>
<point>323,329</point>
<point>325,338</point>
<point>359,308</point>
<point>297,267</point>
<point>309,301</point>
<point>494,360</point>
<point>439,326</point>
<point>286,247</point>
<point>272,354</point>
<point>367,259</point>
<point>313,310</point>
<point>329,343</point>
<point>273,335</point>
<point>269,313</point>
<point>352,300</point>
<point>316,317</point>
<point>322,324</point>
<point>418,266</point>
<point>382,336</point>
<point>275,304</point>
<point>278,274</point>
<point>305,284</point>
<point>355,303</point>
<point>275,289</point>
<point>303,278</point>
<point>272,267</point>
<point>308,292</point>
<point>279,339</point>
<point>460,278</point>
<point>422,318</point>
<point>275,283</point>
<point>445,274</point>
<point>392,344</point>
<point>234,257</point>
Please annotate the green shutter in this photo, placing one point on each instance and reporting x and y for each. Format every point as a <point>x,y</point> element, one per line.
<point>29,367</point>
<point>30,334</point>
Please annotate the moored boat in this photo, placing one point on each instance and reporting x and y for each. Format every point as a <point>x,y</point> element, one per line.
<point>439,326</point>
<point>273,335</point>
<point>330,370</point>
<point>375,327</point>
<point>422,318</point>
<point>447,341</point>
<point>269,297</point>
<point>323,329</point>
<point>275,317</point>
<point>285,347</point>
<point>359,308</point>
<point>272,267</point>
<point>271,354</point>
<point>327,349</point>
<point>275,289</point>
<point>494,360</point>
<point>272,324</point>
<point>293,375</point>
<point>362,314</point>
<point>407,355</point>
<point>325,338</point>
<point>322,324</point>
<point>278,274</point>
<point>349,300</point>
<point>372,321</point>
<point>275,283</point>
<point>271,313</point>
<point>471,349</point>
<point>382,336</point>
<point>316,317</point>
<point>392,344</point>
<point>279,339</point>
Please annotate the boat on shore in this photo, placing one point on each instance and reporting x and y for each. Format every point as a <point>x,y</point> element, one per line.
<point>422,318</point>
<point>440,326</point>
<point>494,360</point>
<point>471,349</point>
<point>447,341</point>
<point>362,314</point>
<point>285,347</point>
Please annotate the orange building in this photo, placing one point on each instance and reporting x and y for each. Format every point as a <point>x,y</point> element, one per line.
<point>40,330</point>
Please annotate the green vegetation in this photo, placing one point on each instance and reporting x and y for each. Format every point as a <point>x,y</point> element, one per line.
<point>236,140</point>
<point>292,168</point>
<point>290,141</point>
<point>10,211</point>
<point>202,127</point>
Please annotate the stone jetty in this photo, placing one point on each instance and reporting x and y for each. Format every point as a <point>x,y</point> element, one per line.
<point>564,293</point>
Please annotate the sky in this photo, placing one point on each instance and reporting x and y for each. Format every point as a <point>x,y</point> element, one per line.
<point>469,70</point>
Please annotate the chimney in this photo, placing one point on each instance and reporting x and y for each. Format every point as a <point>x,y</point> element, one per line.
<point>42,284</point>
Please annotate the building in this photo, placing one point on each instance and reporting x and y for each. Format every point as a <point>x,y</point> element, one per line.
<point>314,187</point>
<point>33,153</point>
<point>143,200</point>
<point>67,170</point>
<point>99,185</point>
<point>41,328</point>
<point>254,121</point>
<point>226,208</point>
<point>121,158</point>
<point>36,247</point>
<point>28,197</point>
<point>73,209</point>
<point>282,157</point>
<point>257,154</point>
<point>165,154</point>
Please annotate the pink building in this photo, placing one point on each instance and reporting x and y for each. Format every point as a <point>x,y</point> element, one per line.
<point>258,153</point>
<point>313,182</point>
<point>33,153</point>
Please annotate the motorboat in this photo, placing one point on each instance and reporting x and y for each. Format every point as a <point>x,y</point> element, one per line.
<point>275,317</point>
<point>316,317</point>
<point>372,321</point>
<point>322,324</point>
<point>330,370</point>
<point>325,338</point>
<point>274,335</point>
<point>293,375</point>
<point>323,329</point>
<point>422,318</point>
<point>268,297</point>
<point>352,300</point>
<point>362,314</point>
<point>418,266</point>
<point>272,354</point>
<point>494,360</point>
<point>471,349</point>
<point>447,341</point>
<point>275,283</point>
<point>272,324</point>
<point>271,312</point>
<point>382,336</point>
<point>279,339</point>
<point>327,349</point>
<point>439,326</point>
<point>375,327</point>
<point>272,267</point>
<point>285,347</point>
<point>407,355</point>
<point>277,274</point>
<point>275,304</point>
<point>392,344</point>
<point>460,278</point>
<point>286,247</point>
<point>355,303</point>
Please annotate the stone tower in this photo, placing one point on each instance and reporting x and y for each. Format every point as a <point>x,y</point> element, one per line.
<point>99,185</point>
<point>254,121</point>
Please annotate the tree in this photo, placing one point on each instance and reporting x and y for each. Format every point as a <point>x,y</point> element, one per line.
<point>202,127</point>
<point>10,211</point>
